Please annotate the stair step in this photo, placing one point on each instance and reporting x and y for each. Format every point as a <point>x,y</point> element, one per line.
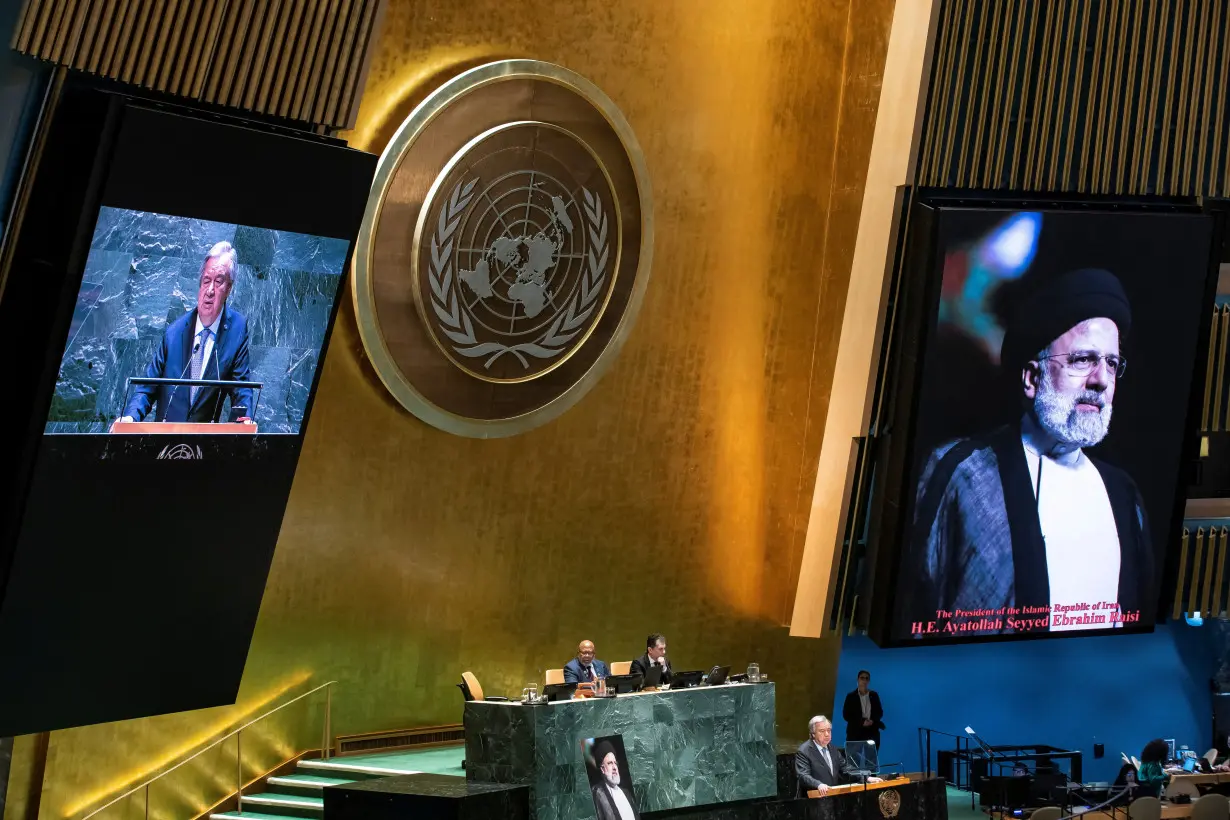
<point>310,784</point>
<point>284,799</point>
<point>288,805</point>
<point>361,769</point>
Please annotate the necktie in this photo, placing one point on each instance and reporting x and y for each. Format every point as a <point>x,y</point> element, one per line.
<point>589,673</point>
<point>198,359</point>
<point>824,752</point>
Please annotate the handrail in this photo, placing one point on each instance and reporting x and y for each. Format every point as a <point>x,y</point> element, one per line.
<point>223,739</point>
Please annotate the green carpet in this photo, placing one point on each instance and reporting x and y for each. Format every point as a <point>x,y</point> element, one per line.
<point>959,807</point>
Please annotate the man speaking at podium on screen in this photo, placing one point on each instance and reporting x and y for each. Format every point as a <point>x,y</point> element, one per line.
<point>1021,530</point>
<point>208,342</point>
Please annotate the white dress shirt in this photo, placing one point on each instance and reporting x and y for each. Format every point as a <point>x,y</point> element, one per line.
<point>1079,531</point>
<point>209,345</point>
<point>865,699</point>
<point>621,802</point>
<point>824,754</point>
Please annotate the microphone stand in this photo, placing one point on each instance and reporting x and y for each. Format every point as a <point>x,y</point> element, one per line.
<point>993,758</point>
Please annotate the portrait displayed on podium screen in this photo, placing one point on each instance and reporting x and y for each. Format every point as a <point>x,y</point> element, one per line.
<point>197,322</point>
<point>610,781</point>
<point>1053,409</point>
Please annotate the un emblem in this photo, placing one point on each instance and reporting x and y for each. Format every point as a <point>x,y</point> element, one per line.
<point>890,803</point>
<point>506,248</point>
<point>517,268</point>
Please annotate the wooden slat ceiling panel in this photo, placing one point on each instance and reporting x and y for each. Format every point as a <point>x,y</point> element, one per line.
<point>303,60</point>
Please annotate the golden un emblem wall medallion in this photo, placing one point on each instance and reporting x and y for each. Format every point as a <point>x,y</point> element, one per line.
<point>505,250</point>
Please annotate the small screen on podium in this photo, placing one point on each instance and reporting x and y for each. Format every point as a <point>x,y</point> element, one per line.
<point>1053,411</point>
<point>167,300</point>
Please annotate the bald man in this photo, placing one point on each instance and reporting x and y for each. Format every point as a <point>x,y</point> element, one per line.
<point>585,667</point>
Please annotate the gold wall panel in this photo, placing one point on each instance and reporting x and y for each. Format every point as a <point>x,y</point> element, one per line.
<point>1089,96</point>
<point>674,496</point>
<point>298,59</point>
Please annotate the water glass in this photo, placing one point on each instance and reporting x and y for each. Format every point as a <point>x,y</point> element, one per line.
<point>532,690</point>
<point>601,682</point>
<point>753,672</point>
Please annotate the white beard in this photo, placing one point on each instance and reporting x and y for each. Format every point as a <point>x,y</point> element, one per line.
<point>611,779</point>
<point>1057,414</point>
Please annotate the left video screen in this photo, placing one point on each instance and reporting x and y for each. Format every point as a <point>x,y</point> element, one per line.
<point>195,323</point>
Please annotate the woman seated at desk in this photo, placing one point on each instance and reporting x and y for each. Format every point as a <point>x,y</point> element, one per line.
<point>1151,779</point>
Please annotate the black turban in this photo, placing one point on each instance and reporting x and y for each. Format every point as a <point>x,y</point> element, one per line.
<point>1058,304</point>
<point>601,750</point>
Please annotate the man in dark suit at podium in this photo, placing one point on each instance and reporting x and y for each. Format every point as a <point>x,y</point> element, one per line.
<point>209,342</point>
<point>585,668</point>
<point>818,764</point>
<point>655,655</point>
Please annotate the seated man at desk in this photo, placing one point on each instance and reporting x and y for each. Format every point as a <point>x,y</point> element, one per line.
<point>585,668</point>
<point>820,765</point>
<point>655,655</point>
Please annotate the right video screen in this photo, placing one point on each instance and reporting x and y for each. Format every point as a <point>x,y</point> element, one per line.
<point>1051,422</point>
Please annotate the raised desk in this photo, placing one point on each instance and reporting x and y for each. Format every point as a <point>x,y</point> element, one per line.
<point>852,788</point>
<point>178,428</point>
<point>686,747</point>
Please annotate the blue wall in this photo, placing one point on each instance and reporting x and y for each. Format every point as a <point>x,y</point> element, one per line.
<point>1069,692</point>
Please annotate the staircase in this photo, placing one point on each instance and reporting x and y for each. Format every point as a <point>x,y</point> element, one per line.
<point>302,794</point>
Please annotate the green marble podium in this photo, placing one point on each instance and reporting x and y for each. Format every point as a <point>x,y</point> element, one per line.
<point>686,747</point>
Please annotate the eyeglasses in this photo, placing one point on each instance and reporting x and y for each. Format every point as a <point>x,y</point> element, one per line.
<point>1083,362</point>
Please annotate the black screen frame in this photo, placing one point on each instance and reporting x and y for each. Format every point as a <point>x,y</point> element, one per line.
<point>914,327</point>
<point>156,624</point>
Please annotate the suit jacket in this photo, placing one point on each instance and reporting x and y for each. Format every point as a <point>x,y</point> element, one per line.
<point>604,804</point>
<point>812,771</point>
<point>642,665</point>
<point>852,711</point>
<point>574,674</point>
<point>977,543</point>
<point>172,360</point>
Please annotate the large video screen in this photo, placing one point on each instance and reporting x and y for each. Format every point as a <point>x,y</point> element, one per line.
<point>1051,424</point>
<point>168,300</point>
<point>172,292</point>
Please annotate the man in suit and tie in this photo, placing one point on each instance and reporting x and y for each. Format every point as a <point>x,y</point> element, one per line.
<point>208,342</point>
<point>819,765</point>
<point>585,668</point>
<point>655,655</point>
<point>862,711</point>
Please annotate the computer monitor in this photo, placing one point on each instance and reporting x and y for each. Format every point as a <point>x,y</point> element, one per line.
<point>559,691</point>
<point>686,680</point>
<point>654,676</point>
<point>863,755</point>
<point>1189,764</point>
<point>717,675</point>
<point>624,684</point>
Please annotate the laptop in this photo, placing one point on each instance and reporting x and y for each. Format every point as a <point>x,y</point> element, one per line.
<point>654,676</point>
<point>686,680</point>
<point>623,684</point>
<point>864,757</point>
<point>717,675</point>
<point>559,691</point>
<point>1189,765</point>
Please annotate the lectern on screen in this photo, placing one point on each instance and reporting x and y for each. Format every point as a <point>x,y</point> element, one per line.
<point>187,326</point>
<point>174,284</point>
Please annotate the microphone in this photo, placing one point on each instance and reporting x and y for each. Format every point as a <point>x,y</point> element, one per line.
<point>196,347</point>
<point>970,731</point>
<point>218,368</point>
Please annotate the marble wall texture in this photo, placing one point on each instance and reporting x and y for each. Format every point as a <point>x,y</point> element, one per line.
<point>141,275</point>
<point>685,748</point>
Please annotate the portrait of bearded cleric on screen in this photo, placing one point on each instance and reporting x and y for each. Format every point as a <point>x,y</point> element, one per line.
<point>1023,521</point>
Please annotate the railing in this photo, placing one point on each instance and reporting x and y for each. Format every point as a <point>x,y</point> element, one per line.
<point>237,734</point>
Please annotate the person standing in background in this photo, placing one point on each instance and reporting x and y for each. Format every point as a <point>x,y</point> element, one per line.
<point>862,711</point>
